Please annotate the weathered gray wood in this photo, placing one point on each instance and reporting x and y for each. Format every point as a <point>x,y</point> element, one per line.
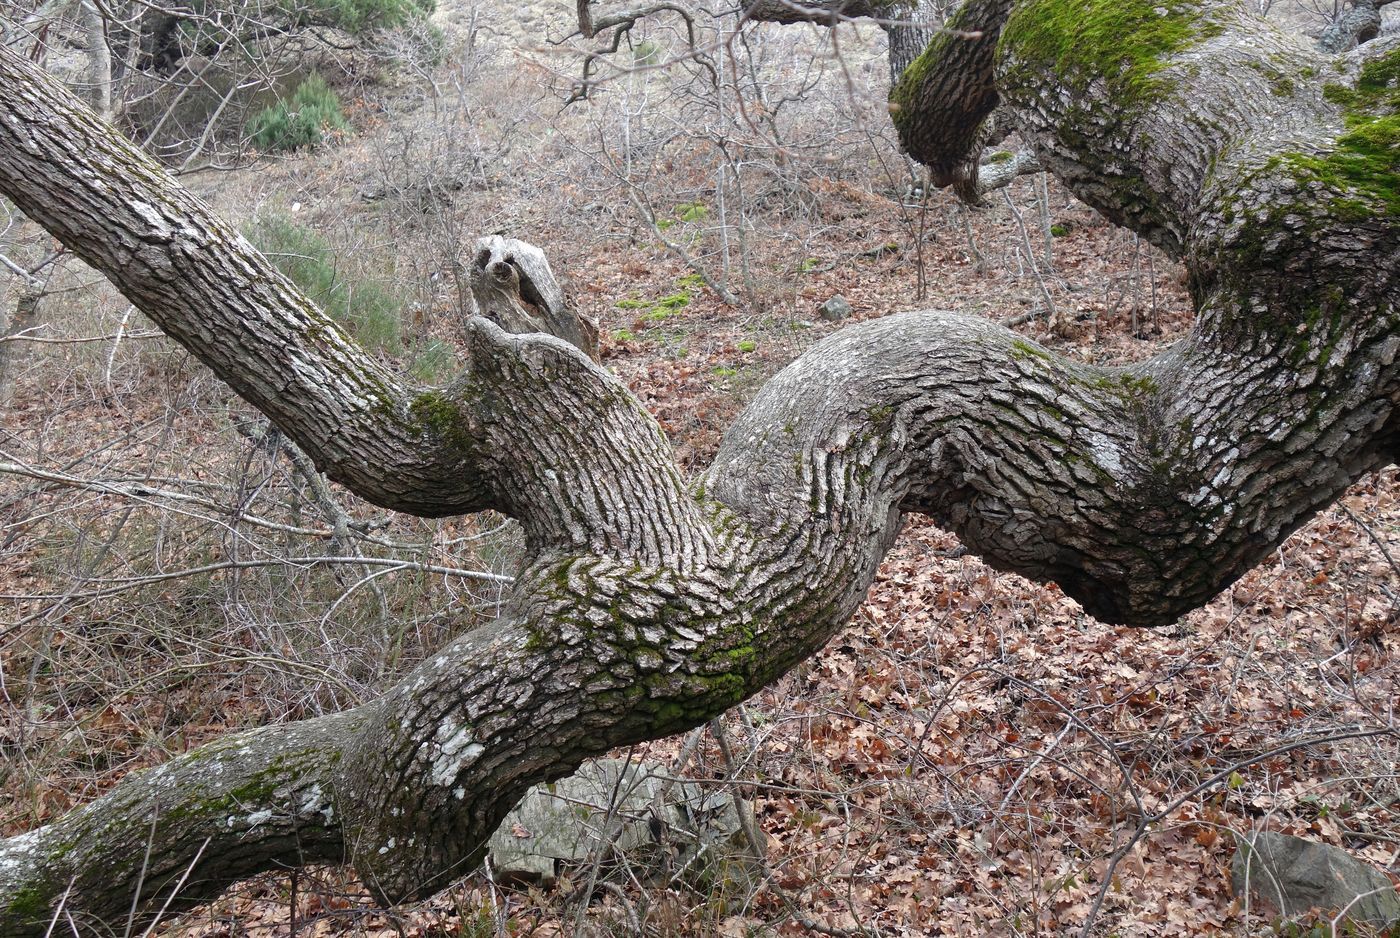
<point>514,287</point>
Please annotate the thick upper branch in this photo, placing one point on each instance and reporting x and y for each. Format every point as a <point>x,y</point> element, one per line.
<point>942,99</point>
<point>198,279</point>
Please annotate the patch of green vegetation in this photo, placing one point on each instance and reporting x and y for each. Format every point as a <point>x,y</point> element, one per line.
<point>659,310</point>
<point>363,307</point>
<point>809,264</point>
<point>646,52</point>
<point>724,371</point>
<point>676,301</point>
<point>685,212</point>
<point>433,362</point>
<point>623,335</point>
<point>1058,231</point>
<point>359,16</point>
<point>305,120</point>
<point>692,211</point>
<point>667,306</point>
<point>1125,43</point>
<point>747,345</point>
<point>1001,156</point>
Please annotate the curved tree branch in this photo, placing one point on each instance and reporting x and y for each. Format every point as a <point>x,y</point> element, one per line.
<point>170,256</point>
<point>647,605</point>
<point>1357,25</point>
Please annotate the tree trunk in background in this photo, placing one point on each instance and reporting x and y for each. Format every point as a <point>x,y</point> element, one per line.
<point>23,317</point>
<point>19,308</point>
<point>648,604</point>
<point>99,59</point>
<point>910,31</point>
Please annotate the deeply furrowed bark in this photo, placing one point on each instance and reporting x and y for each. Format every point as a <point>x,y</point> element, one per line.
<point>648,604</point>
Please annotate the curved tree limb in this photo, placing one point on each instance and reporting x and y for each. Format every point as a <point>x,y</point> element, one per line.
<point>168,253</point>
<point>646,604</point>
<point>944,97</point>
<point>1359,24</point>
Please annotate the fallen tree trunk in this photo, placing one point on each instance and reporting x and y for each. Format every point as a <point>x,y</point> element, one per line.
<point>649,604</point>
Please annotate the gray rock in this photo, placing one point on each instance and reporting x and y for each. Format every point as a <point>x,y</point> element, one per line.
<point>630,812</point>
<point>1293,875</point>
<point>835,309</point>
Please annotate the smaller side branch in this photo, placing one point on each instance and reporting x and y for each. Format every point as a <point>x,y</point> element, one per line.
<point>823,11</point>
<point>251,802</point>
<point>942,100</point>
<point>996,170</point>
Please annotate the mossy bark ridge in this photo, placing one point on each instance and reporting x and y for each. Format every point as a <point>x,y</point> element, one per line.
<point>649,602</point>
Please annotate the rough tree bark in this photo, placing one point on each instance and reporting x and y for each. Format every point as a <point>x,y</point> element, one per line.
<point>649,603</point>
<point>1360,23</point>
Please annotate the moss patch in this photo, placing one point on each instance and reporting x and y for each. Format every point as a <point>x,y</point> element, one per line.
<point>30,905</point>
<point>904,95</point>
<point>1125,43</point>
<point>436,413</point>
<point>1364,166</point>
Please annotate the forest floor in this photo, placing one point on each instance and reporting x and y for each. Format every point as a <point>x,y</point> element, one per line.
<point>973,755</point>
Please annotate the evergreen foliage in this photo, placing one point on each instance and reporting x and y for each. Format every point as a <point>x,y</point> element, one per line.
<point>364,308</point>
<point>312,113</point>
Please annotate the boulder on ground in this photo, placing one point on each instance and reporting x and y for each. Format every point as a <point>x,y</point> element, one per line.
<point>631,811</point>
<point>835,309</point>
<point>1293,875</point>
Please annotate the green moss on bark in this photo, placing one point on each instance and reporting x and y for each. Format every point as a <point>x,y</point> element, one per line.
<point>438,414</point>
<point>1364,166</point>
<point>904,94</point>
<point>30,905</point>
<point>1125,43</point>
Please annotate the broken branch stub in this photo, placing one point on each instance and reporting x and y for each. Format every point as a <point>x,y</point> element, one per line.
<point>514,287</point>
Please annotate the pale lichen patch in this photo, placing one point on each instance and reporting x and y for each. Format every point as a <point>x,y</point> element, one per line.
<point>452,751</point>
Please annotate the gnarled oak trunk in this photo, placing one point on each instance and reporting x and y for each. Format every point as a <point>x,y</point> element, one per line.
<point>650,603</point>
